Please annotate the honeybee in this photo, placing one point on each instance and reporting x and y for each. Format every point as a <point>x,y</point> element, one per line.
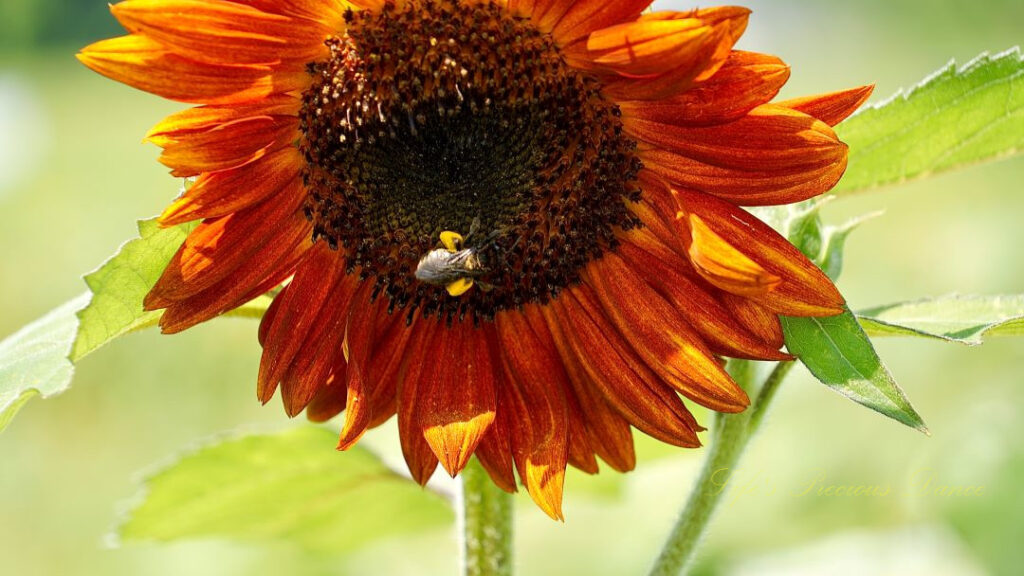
<point>455,266</point>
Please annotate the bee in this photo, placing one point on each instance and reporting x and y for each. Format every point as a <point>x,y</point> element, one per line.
<point>455,266</point>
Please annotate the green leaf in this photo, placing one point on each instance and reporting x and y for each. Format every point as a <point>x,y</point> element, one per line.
<point>289,486</point>
<point>963,319</point>
<point>39,359</point>
<point>33,361</point>
<point>121,283</point>
<point>839,354</point>
<point>953,118</point>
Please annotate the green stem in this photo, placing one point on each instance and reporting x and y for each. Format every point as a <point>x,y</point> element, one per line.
<point>730,435</point>
<point>486,524</point>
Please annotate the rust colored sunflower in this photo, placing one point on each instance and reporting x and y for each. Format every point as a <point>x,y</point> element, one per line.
<point>515,224</point>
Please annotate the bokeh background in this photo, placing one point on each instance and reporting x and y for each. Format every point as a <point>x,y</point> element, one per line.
<point>74,178</point>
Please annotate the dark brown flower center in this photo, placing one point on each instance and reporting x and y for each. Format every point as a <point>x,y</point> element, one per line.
<point>439,114</point>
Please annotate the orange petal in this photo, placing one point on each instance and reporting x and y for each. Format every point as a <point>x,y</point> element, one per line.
<point>217,194</point>
<point>585,338</point>
<point>724,265</point>
<point>756,318</point>
<point>646,47</point>
<point>202,118</point>
<point>218,247</point>
<point>539,431</point>
<point>327,12</point>
<point>661,336</point>
<point>802,290</point>
<point>686,68</point>
<point>143,63</point>
<point>225,146</point>
<point>220,32</point>
<point>585,16</point>
<point>773,155</point>
<point>831,108</point>
<point>745,81</point>
<point>457,398</point>
<point>416,369</point>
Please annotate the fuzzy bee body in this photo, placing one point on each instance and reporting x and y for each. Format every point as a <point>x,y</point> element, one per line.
<point>441,267</point>
<point>453,266</point>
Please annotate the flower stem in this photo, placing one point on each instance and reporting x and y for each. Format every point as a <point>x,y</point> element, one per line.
<point>729,436</point>
<point>486,524</point>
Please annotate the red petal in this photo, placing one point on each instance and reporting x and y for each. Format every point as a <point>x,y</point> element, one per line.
<point>757,319</point>
<point>422,347</point>
<point>608,431</point>
<point>360,330</point>
<point>456,398</point>
<point>495,449</point>
<point>662,337</point>
<point>585,337</point>
<point>703,308</point>
<point>539,431</point>
<point>680,72</point>
<point>297,315</point>
<point>773,155</point>
<point>318,352</point>
<point>218,247</point>
<point>255,278</point>
<point>217,194</point>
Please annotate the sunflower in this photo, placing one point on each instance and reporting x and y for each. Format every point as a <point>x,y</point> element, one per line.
<point>515,224</point>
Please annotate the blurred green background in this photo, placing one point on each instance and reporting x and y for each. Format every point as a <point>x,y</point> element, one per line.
<point>74,178</point>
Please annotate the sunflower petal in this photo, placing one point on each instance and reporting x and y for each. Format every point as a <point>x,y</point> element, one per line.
<point>221,32</point>
<point>831,108</point>
<point>296,316</point>
<point>495,449</point>
<point>218,194</point>
<point>457,398</point>
<point>540,441</point>
<point>419,456</point>
<point>252,280</point>
<point>684,69</point>
<point>700,304</point>
<point>802,289</point>
<point>318,354</point>
<point>202,118</point>
<point>608,432</point>
<point>585,16</point>
<point>143,63</point>
<point>745,81</point>
<point>225,146</point>
<point>662,337</point>
<point>773,155</point>
<point>642,399</point>
<point>218,247</point>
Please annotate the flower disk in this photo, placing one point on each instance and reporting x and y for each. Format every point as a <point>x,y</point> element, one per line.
<point>432,117</point>
<point>576,170</point>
